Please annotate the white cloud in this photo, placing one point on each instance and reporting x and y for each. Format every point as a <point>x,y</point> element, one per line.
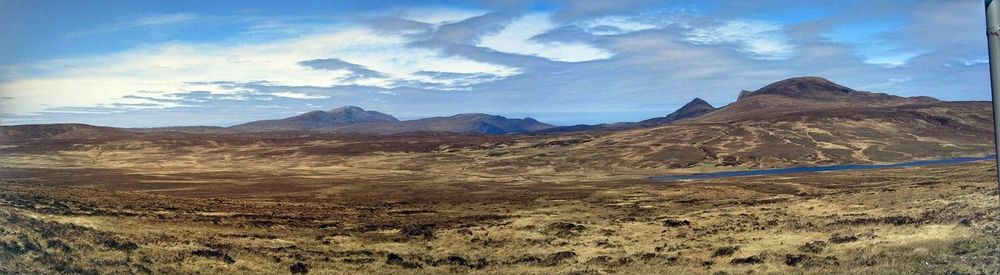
<point>270,107</point>
<point>614,25</point>
<point>298,95</point>
<point>21,120</point>
<point>890,60</point>
<point>892,81</point>
<point>762,40</point>
<point>165,19</point>
<point>80,112</point>
<point>439,15</point>
<point>517,38</point>
<point>175,68</point>
<point>968,62</point>
<point>154,20</point>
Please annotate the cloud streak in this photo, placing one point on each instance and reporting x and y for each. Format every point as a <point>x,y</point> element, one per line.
<point>146,21</point>
<point>762,40</point>
<point>519,38</point>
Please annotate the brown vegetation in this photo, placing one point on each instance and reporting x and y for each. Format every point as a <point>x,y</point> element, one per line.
<point>890,221</point>
<point>84,199</point>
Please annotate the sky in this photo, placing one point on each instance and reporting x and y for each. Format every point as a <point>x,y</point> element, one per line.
<point>174,63</point>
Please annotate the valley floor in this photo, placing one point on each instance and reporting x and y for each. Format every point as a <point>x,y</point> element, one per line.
<point>925,220</point>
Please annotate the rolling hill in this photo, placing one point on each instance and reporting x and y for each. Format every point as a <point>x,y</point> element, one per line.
<point>58,131</point>
<point>316,120</point>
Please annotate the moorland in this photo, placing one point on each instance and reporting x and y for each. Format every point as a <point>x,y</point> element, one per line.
<point>352,191</point>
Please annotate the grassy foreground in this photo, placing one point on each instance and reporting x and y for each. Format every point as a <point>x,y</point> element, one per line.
<point>929,220</point>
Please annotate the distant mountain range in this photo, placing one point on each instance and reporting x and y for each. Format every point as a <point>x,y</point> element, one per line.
<point>794,122</point>
<point>356,120</point>
<point>790,96</point>
<point>352,119</point>
<point>693,109</point>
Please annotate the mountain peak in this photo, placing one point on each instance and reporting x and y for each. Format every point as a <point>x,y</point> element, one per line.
<point>355,114</point>
<point>695,108</point>
<point>478,116</point>
<point>696,103</point>
<point>802,87</point>
<point>346,109</point>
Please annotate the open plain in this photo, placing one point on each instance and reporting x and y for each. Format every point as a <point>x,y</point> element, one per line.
<point>438,203</point>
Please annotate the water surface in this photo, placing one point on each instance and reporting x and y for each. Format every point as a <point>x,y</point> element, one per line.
<point>794,170</point>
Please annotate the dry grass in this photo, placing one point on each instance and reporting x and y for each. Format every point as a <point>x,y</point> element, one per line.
<point>432,204</point>
<point>917,220</point>
<point>82,199</point>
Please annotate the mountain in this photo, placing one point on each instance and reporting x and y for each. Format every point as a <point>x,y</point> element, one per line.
<point>462,123</point>
<point>318,120</point>
<point>355,120</point>
<point>823,91</point>
<point>793,95</point>
<point>805,94</point>
<point>697,107</point>
<point>802,87</point>
<point>693,109</point>
<point>802,121</point>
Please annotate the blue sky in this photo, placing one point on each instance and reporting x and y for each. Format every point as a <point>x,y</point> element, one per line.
<point>166,63</point>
